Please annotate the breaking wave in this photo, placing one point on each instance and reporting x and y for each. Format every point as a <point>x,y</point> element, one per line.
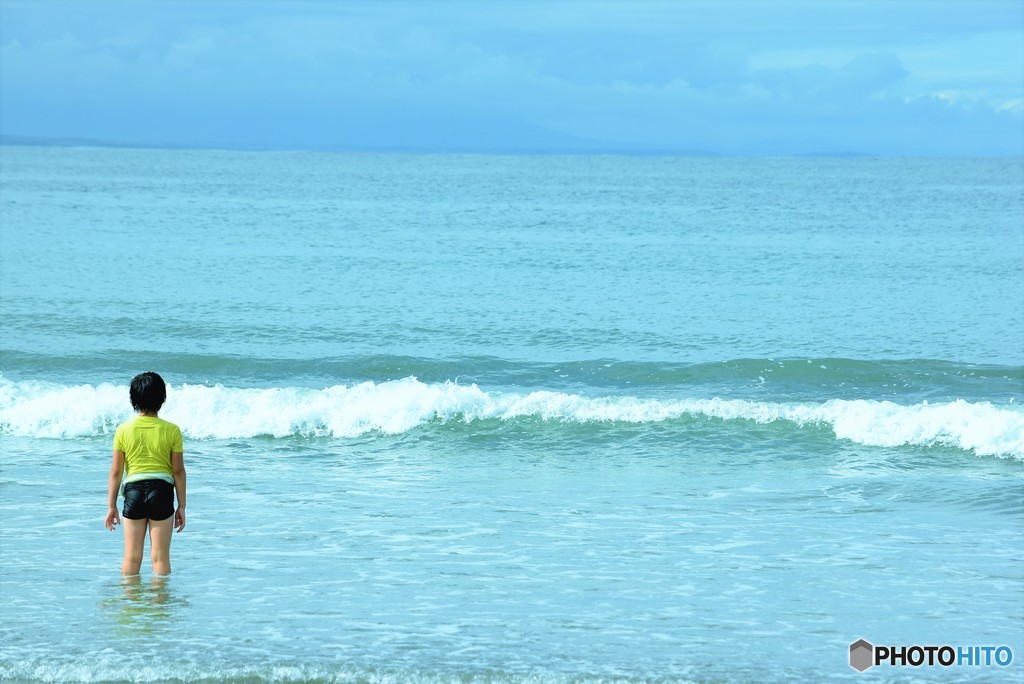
<point>42,410</point>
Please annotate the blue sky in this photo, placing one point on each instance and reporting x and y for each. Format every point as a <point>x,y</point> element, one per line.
<point>878,77</point>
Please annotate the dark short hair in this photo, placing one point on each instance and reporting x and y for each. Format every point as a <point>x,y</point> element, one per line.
<point>148,392</point>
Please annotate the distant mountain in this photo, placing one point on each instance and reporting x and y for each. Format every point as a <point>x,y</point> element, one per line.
<point>40,141</point>
<point>395,133</point>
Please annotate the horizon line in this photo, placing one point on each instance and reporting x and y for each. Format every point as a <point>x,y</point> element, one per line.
<point>628,151</point>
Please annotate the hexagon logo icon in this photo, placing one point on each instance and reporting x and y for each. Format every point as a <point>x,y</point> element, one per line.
<point>862,655</point>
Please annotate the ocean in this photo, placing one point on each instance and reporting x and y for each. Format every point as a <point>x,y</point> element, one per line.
<point>473,418</point>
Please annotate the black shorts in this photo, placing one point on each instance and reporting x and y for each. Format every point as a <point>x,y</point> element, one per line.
<point>153,499</point>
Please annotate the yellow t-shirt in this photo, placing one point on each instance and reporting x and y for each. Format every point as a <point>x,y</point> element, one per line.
<point>147,443</point>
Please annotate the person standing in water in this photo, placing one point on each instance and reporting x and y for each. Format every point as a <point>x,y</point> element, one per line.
<point>148,450</point>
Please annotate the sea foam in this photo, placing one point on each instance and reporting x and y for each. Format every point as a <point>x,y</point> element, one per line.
<point>29,409</point>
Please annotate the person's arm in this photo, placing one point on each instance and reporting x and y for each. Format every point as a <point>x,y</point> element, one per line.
<point>114,483</point>
<point>178,467</point>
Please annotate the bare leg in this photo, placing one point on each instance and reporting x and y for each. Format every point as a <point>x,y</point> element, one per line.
<point>160,545</point>
<point>134,540</point>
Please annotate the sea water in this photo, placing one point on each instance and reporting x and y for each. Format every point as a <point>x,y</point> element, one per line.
<point>469,418</point>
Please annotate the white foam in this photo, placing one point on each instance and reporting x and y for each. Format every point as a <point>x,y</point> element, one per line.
<point>56,411</point>
<point>33,409</point>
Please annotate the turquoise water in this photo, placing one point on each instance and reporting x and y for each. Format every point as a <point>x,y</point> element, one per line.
<point>486,418</point>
